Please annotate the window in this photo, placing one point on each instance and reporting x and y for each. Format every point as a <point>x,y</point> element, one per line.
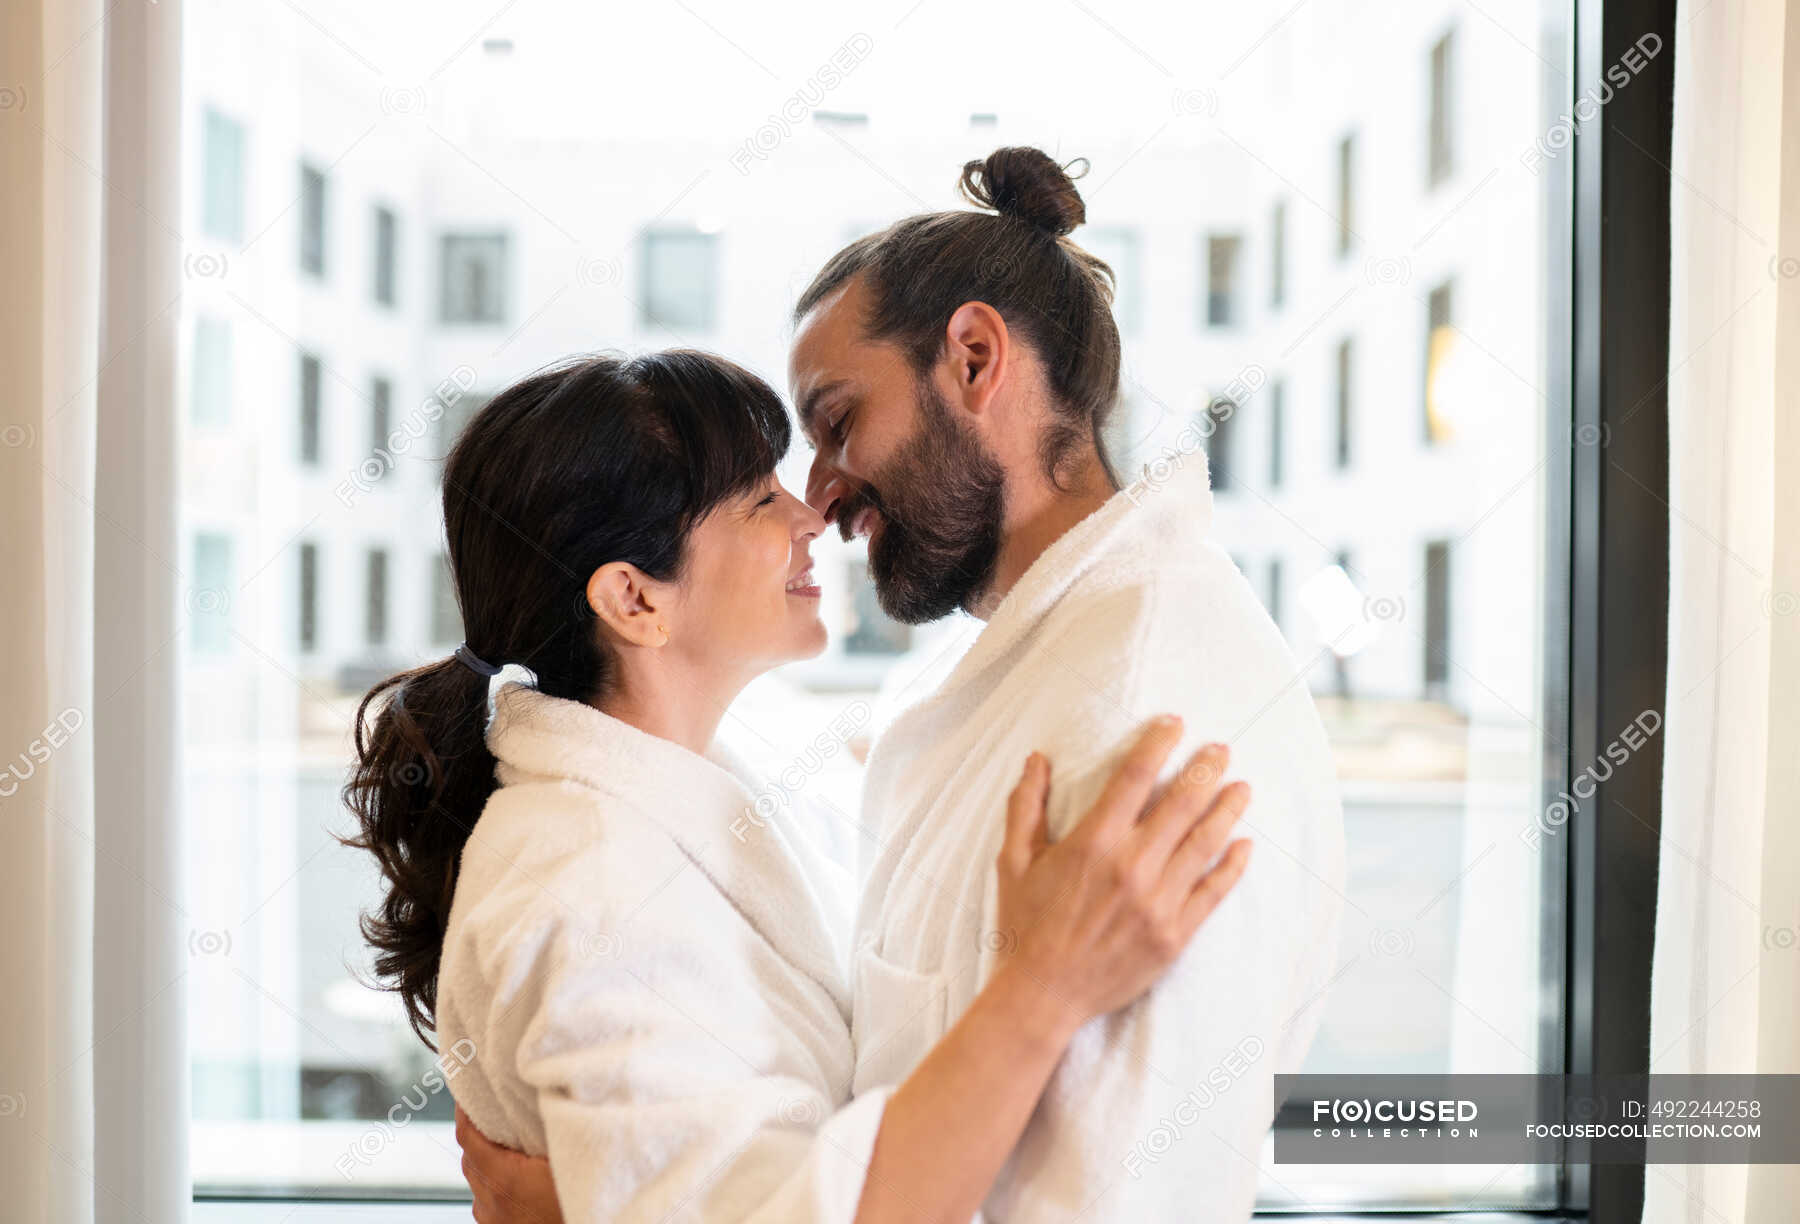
<point>209,599</point>
<point>869,630</point>
<point>1277,431</point>
<point>446,617</point>
<point>1440,340</point>
<point>294,1059</point>
<point>309,597</point>
<point>387,254</point>
<point>1340,659</point>
<point>381,413</point>
<point>1119,248</point>
<point>1439,141</point>
<point>473,270</point>
<point>375,598</point>
<point>1278,255</point>
<point>1222,279</point>
<point>1343,391</point>
<point>309,409</point>
<point>312,221</point>
<point>222,192</point>
<point>1437,619</point>
<point>1346,194</point>
<point>680,280</point>
<point>210,388</point>
<point>1218,424</point>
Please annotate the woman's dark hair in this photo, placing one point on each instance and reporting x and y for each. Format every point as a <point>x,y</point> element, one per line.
<point>596,460</point>
<point>1016,258</point>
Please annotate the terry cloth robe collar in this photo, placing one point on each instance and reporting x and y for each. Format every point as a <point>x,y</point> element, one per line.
<point>705,804</point>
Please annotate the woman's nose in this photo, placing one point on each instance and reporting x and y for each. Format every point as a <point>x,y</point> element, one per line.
<point>808,522</point>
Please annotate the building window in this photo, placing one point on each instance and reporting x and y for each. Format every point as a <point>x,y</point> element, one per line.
<point>1277,432</point>
<point>1439,336</point>
<point>1440,160</point>
<point>1222,279</point>
<point>375,599</point>
<point>381,412</point>
<point>309,597</point>
<point>222,186</point>
<point>1217,429</point>
<point>680,271</point>
<point>473,269</point>
<point>1273,603</point>
<point>870,630</point>
<point>387,255</point>
<point>1278,255</point>
<point>446,617</point>
<point>309,408</point>
<point>1342,377</point>
<point>1118,248</point>
<point>312,221</point>
<point>1346,194</point>
<point>1340,663</point>
<point>209,601</point>
<point>210,387</point>
<point>1437,618</point>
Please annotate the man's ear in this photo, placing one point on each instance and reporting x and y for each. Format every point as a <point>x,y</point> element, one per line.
<point>976,348</point>
<point>627,601</point>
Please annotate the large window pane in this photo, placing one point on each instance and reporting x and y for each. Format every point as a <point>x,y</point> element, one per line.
<point>1310,226</point>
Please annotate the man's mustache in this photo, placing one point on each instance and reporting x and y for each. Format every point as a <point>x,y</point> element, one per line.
<point>864,498</point>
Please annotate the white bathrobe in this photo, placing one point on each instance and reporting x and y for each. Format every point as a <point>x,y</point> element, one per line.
<point>1159,1112</point>
<point>652,985</point>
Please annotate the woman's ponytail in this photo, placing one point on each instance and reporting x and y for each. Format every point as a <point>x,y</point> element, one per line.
<point>423,773</point>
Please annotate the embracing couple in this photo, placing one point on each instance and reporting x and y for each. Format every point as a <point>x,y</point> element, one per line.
<point>1064,995</point>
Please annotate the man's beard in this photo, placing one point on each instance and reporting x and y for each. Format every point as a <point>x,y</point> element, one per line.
<point>940,503</point>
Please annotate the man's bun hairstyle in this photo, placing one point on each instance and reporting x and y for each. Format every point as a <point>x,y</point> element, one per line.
<point>1026,183</point>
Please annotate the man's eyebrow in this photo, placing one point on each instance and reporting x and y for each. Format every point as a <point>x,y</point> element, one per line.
<point>808,407</point>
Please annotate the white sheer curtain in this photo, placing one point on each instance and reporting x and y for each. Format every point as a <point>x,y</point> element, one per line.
<point>93,1072</point>
<point>1726,988</point>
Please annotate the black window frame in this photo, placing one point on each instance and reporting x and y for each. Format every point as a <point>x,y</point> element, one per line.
<point>1607,466</point>
<point>1608,355</point>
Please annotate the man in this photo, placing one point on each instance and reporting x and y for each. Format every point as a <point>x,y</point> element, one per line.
<point>955,373</point>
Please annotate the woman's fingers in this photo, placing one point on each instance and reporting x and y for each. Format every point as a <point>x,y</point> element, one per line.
<point>1128,790</point>
<point>1214,886</point>
<point>1184,801</point>
<point>1027,830</point>
<point>1196,852</point>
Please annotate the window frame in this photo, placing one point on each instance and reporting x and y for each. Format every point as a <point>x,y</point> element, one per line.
<point>1607,328</point>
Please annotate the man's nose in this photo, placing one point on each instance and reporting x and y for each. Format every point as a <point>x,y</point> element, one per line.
<point>825,490</point>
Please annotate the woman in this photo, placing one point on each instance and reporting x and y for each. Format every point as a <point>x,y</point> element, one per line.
<point>651,983</point>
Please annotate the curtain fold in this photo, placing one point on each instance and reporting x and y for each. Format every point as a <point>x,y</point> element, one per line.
<point>93,1100</point>
<point>1726,981</point>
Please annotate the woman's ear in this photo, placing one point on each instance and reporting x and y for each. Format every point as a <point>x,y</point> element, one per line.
<point>628,603</point>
